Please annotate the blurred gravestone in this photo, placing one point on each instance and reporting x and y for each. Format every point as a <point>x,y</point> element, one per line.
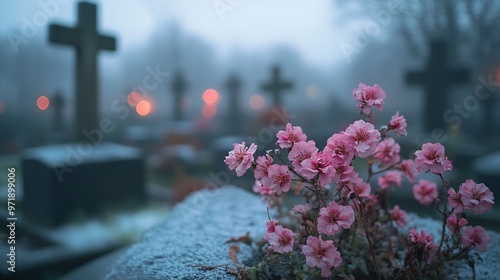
<point>62,179</point>
<point>233,86</point>
<point>179,89</point>
<point>60,182</point>
<point>58,110</point>
<point>436,78</point>
<point>87,42</point>
<point>276,86</point>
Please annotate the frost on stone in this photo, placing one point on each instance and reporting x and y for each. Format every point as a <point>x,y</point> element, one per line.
<point>193,235</point>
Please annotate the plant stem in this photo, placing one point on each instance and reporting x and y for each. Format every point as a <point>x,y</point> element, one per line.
<point>370,244</point>
<point>445,214</point>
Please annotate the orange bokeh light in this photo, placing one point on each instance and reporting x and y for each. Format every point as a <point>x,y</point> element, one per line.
<point>211,96</point>
<point>133,98</point>
<point>42,102</point>
<point>209,111</point>
<point>143,107</point>
<point>256,102</point>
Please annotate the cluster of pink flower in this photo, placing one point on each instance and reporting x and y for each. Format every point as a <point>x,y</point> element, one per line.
<point>318,170</point>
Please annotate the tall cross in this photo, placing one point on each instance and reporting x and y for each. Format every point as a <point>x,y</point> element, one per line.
<point>58,101</point>
<point>87,42</point>
<point>179,88</point>
<point>233,86</point>
<point>276,86</point>
<point>436,78</point>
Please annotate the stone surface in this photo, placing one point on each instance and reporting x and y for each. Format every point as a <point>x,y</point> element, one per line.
<point>63,180</point>
<point>195,231</point>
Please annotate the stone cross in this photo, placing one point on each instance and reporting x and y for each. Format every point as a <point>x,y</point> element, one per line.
<point>179,86</point>
<point>87,42</point>
<point>276,86</point>
<point>58,101</point>
<point>436,78</point>
<point>233,86</point>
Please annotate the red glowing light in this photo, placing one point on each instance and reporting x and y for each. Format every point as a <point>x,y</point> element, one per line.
<point>256,102</point>
<point>42,102</point>
<point>210,96</point>
<point>209,111</point>
<point>143,108</point>
<point>133,98</point>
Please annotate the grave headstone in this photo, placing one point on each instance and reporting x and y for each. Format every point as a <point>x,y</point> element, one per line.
<point>179,86</point>
<point>87,42</point>
<point>58,101</point>
<point>436,79</point>
<point>63,181</point>
<point>276,86</point>
<point>233,86</point>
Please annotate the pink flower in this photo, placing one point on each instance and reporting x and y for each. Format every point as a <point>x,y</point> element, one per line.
<point>455,200</point>
<point>477,198</point>
<point>343,173</point>
<point>431,158</point>
<point>476,237</point>
<point>387,152</point>
<point>399,216</point>
<point>364,136</point>
<point>281,240</point>
<point>390,178</point>
<point>279,179</point>
<point>321,254</point>
<point>368,97</point>
<point>301,209</point>
<point>425,191</point>
<point>300,152</point>
<point>454,224</point>
<point>291,135</point>
<point>341,148</point>
<point>398,124</point>
<point>240,158</point>
<point>263,163</point>
<point>318,164</point>
<point>357,186</point>
<point>271,227</point>
<point>426,240</point>
<point>409,169</point>
<point>334,217</point>
<point>261,189</point>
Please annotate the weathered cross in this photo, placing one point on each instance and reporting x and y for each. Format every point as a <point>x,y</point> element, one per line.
<point>179,88</point>
<point>436,78</point>
<point>87,42</point>
<point>58,107</point>
<point>233,86</point>
<point>276,86</point>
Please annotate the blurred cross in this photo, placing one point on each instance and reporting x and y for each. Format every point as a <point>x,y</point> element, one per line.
<point>276,86</point>
<point>58,101</point>
<point>87,42</point>
<point>233,85</point>
<point>178,88</point>
<point>436,78</point>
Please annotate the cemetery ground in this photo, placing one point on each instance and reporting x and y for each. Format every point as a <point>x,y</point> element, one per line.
<point>53,252</point>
